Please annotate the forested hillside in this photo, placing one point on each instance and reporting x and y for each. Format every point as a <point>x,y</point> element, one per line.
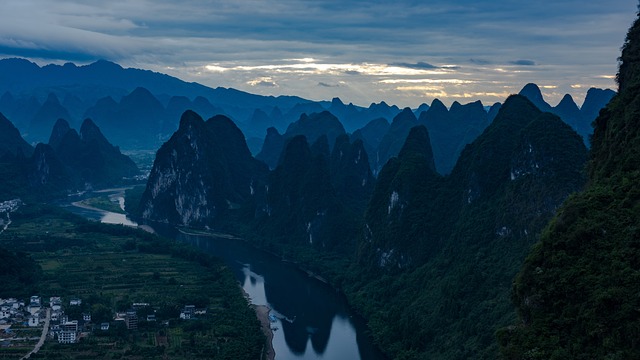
<point>577,293</point>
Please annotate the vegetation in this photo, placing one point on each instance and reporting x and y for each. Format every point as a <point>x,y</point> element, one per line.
<point>577,293</point>
<point>433,270</point>
<point>19,274</point>
<point>105,203</point>
<point>110,267</point>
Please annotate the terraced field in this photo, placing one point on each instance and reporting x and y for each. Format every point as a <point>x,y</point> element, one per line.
<point>111,267</point>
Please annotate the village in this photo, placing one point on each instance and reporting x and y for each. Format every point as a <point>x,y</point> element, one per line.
<point>67,321</point>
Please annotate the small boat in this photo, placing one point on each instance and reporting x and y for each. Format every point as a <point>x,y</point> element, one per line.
<point>272,318</point>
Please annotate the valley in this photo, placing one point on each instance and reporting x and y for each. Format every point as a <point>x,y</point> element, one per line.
<point>464,232</point>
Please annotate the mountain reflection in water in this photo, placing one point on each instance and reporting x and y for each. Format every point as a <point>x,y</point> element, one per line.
<point>312,319</point>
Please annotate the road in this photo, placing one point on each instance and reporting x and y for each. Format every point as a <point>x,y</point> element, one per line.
<point>43,337</point>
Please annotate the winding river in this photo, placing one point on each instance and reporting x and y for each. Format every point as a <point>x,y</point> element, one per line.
<point>309,319</point>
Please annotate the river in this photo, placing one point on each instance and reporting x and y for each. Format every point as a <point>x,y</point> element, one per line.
<point>310,320</point>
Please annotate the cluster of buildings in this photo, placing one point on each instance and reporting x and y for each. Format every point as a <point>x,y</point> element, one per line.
<point>190,312</point>
<point>62,328</point>
<point>17,312</point>
<point>10,205</point>
<point>20,314</point>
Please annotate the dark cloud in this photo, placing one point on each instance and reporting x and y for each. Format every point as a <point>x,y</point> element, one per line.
<point>420,65</point>
<point>324,84</point>
<point>265,83</point>
<point>480,61</point>
<point>523,62</point>
<point>52,54</point>
<point>183,37</point>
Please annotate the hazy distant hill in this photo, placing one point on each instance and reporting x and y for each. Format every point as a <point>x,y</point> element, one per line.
<point>393,140</point>
<point>10,140</point>
<point>452,129</point>
<point>43,120</point>
<point>312,126</point>
<point>89,156</point>
<point>580,119</point>
<point>71,162</point>
<point>25,86</point>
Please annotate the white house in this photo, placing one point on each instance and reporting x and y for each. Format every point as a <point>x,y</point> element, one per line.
<point>68,332</point>
<point>34,308</point>
<point>5,312</point>
<point>188,312</point>
<point>34,321</point>
<point>55,303</point>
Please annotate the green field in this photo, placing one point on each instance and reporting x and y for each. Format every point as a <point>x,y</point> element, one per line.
<point>104,202</point>
<point>111,267</point>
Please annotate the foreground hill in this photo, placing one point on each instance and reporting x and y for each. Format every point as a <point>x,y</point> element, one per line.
<point>204,169</point>
<point>439,253</point>
<point>577,293</point>
<point>10,140</point>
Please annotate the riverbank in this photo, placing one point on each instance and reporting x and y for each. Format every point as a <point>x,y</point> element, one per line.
<point>262,312</point>
<point>103,265</point>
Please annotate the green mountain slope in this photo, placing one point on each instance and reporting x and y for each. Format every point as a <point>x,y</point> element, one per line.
<point>577,293</point>
<point>440,252</point>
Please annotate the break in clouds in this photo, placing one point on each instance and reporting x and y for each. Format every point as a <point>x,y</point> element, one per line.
<point>465,50</point>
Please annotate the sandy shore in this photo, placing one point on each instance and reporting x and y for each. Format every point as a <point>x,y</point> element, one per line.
<point>262,311</point>
<point>82,205</point>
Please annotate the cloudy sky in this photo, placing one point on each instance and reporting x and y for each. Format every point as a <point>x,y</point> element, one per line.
<point>404,52</point>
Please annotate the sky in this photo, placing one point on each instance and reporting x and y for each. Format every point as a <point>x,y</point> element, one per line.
<point>403,52</point>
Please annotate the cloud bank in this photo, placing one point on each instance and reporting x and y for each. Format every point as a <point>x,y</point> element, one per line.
<point>383,50</point>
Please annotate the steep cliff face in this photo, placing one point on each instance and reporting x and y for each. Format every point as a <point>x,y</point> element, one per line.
<point>301,206</point>
<point>200,172</point>
<point>45,173</point>
<point>449,246</point>
<point>399,226</point>
<point>576,293</point>
<point>351,175</point>
<point>10,140</point>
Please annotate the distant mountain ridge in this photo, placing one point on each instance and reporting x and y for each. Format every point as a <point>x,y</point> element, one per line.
<point>71,162</point>
<point>312,126</point>
<point>25,86</point>
<point>579,119</point>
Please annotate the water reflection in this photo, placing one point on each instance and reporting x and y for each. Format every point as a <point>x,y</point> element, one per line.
<point>118,219</point>
<point>312,321</point>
